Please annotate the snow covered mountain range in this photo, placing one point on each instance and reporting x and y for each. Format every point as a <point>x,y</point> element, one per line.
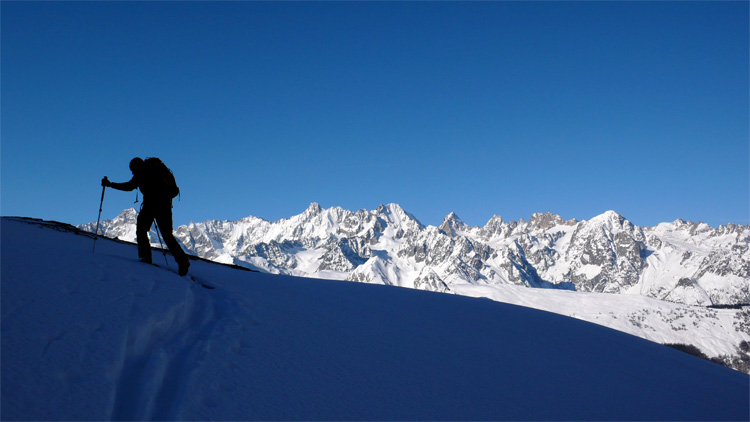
<point>682,262</point>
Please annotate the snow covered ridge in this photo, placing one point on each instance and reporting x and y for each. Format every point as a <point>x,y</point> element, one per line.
<point>100,336</point>
<point>682,262</point>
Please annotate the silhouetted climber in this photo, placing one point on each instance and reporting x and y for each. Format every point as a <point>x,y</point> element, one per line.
<point>158,187</point>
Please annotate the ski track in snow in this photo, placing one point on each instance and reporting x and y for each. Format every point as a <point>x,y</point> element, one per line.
<point>160,357</point>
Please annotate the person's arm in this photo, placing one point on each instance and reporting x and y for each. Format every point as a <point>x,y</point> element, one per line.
<point>127,186</point>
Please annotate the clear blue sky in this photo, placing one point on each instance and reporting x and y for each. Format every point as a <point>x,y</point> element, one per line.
<point>504,108</point>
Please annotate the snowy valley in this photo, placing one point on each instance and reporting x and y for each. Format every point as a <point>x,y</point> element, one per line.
<point>100,336</point>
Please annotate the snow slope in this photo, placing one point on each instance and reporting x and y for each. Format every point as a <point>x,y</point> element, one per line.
<point>100,336</point>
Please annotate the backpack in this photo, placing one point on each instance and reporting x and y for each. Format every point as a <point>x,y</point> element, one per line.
<point>162,176</point>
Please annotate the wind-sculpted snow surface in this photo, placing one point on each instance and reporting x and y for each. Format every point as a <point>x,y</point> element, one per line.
<point>100,336</point>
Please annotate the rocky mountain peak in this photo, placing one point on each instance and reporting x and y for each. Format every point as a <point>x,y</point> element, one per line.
<point>494,220</point>
<point>545,221</point>
<point>393,214</point>
<point>313,209</point>
<point>127,215</point>
<point>609,217</point>
<point>609,222</point>
<point>452,225</point>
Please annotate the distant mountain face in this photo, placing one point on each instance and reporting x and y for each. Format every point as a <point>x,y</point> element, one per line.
<point>684,262</point>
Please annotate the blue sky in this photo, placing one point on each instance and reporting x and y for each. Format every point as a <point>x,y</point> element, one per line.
<point>505,108</point>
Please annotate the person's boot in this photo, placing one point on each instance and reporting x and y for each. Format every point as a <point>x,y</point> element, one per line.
<point>183,263</point>
<point>146,260</point>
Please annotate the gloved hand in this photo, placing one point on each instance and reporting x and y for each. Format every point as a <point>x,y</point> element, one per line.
<point>105,182</point>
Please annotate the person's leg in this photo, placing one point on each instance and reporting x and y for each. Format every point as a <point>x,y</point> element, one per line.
<point>143,225</point>
<point>164,221</point>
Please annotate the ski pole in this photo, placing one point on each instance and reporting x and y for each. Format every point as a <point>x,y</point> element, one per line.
<point>158,233</point>
<point>101,203</point>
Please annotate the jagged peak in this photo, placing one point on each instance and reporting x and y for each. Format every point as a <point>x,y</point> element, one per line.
<point>700,227</point>
<point>393,208</point>
<point>609,222</point>
<point>730,227</point>
<point>611,214</point>
<point>453,217</point>
<point>678,224</point>
<point>545,220</point>
<point>128,212</point>
<point>390,208</point>
<point>252,218</point>
<point>540,214</point>
<point>127,215</point>
<point>609,217</point>
<point>494,226</point>
<point>313,209</point>
<point>495,219</point>
<point>452,224</point>
<point>394,213</point>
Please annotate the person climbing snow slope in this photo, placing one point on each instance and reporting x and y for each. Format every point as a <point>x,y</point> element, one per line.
<point>157,184</point>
